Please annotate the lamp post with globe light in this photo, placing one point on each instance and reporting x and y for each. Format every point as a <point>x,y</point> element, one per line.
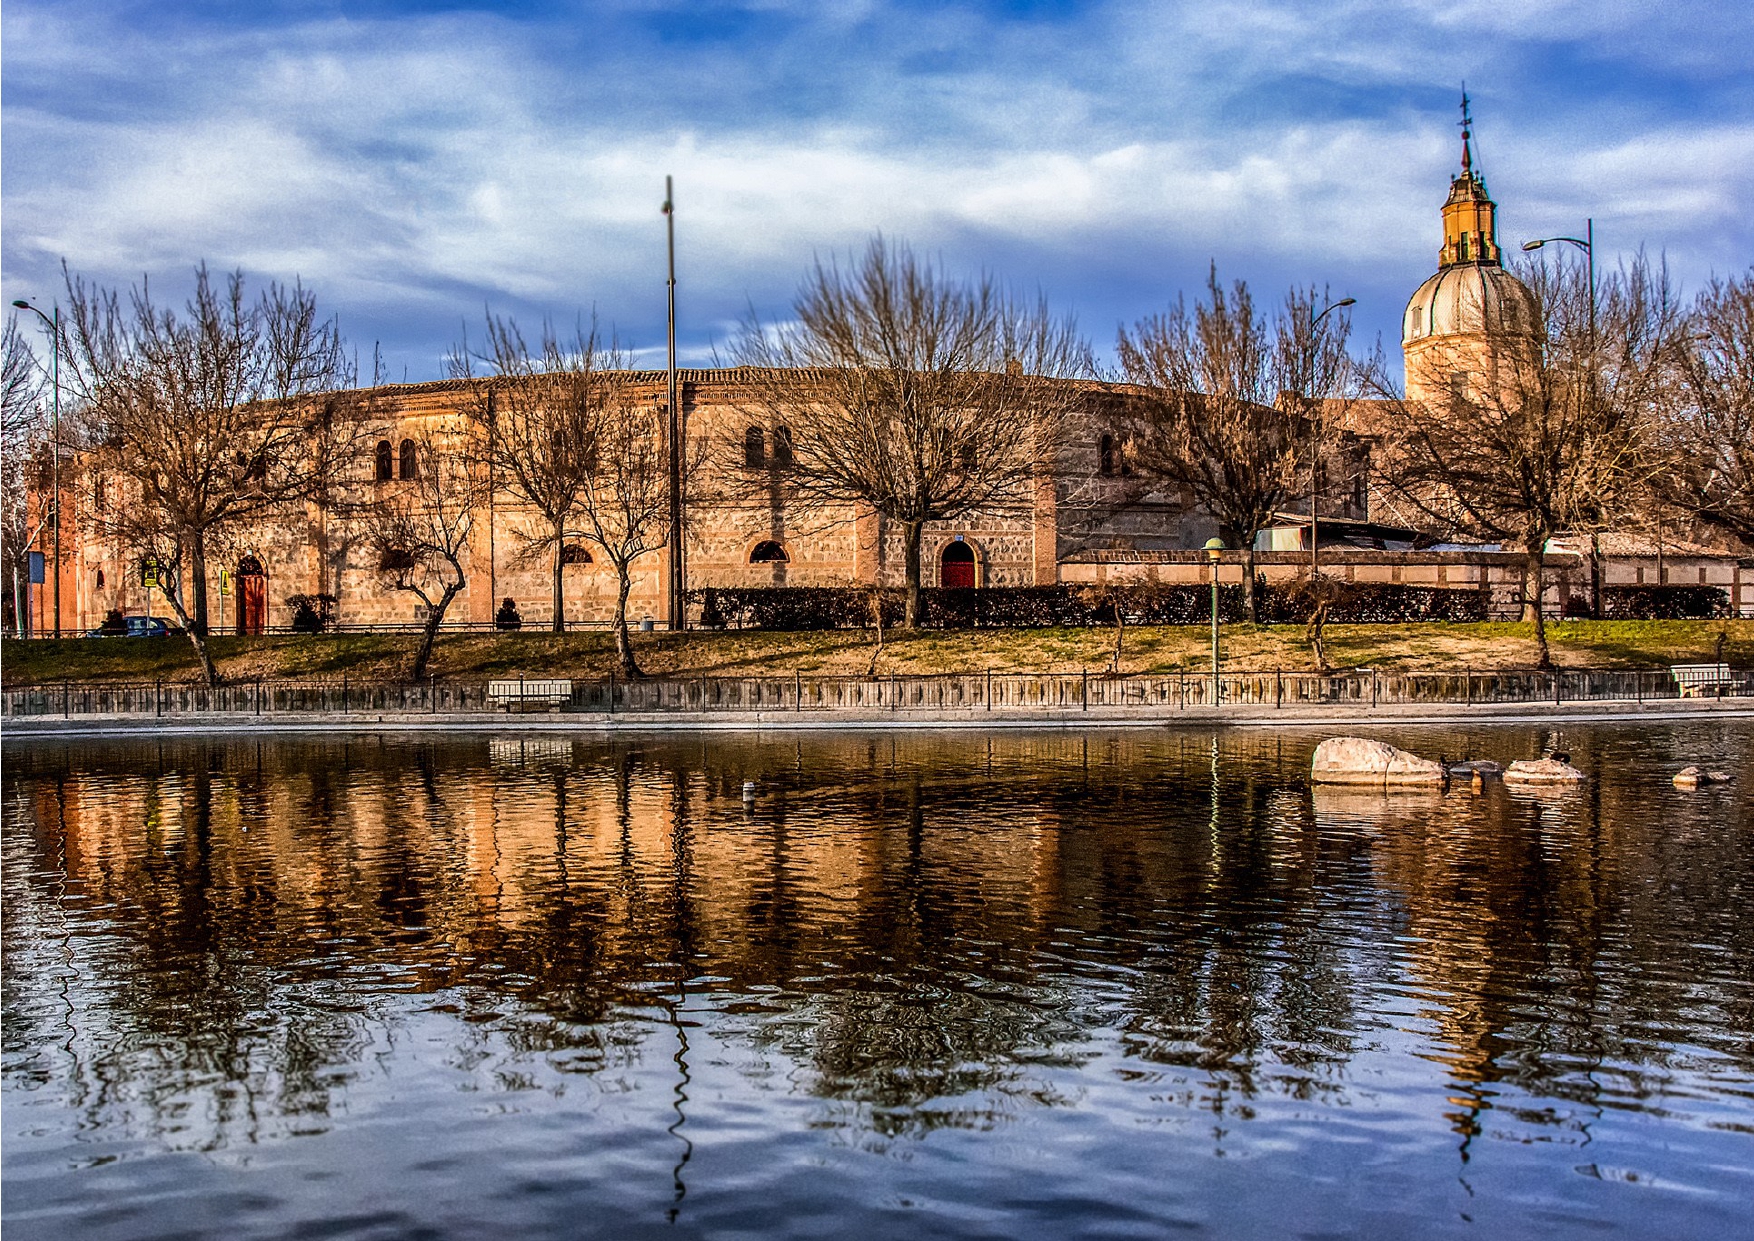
<point>1215,552</point>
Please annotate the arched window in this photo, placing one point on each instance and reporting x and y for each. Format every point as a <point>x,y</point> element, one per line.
<point>782,448</point>
<point>956,567</point>
<point>575,553</point>
<point>754,447</point>
<point>768,552</point>
<point>1108,462</point>
<point>384,461</point>
<point>100,579</point>
<point>410,462</point>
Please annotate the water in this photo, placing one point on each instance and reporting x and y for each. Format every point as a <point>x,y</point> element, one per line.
<point>941,984</point>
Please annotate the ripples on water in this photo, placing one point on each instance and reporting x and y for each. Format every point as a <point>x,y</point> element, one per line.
<point>936,984</point>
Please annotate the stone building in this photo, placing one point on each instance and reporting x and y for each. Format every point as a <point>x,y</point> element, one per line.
<point>1085,518</point>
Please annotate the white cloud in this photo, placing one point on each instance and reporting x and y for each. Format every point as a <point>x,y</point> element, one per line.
<point>411,170</point>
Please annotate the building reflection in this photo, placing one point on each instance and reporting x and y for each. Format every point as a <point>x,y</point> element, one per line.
<point>212,940</point>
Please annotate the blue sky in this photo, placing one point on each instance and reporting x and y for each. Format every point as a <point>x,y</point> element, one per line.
<point>415,163</point>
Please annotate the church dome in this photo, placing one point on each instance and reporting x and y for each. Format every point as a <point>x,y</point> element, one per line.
<point>1470,298</point>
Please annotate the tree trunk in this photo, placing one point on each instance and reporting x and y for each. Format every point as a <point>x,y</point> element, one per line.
<point>1120,630</point>
<point>435,616</point>
<point>1534,587</point>
<point>198,580</point>
<point>560,580</point>
<point>911,532</point>
<point>1596,576</point>
<point>1251,604</point>
<point>624,643</point>
<point>876,619</point>
<point>196,637</point>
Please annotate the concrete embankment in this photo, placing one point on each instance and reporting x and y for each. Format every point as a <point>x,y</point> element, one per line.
<point>1240,716</point>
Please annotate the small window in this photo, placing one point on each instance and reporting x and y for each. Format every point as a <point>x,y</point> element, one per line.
<point>575,553</point>
<point>100,579</point>
<point>98,497</point>
<point>768,552</point>
<point>754,447</point>
<point>395,558</point>
<point>1107,457</point>
<point>410,460</point>
<point>782,448</point>
<point>384,461</point>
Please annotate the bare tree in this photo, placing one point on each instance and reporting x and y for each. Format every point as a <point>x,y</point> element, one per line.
<point>1708,428</point>
<point>420,528</point>
<point>22,437</point>
<point>209,421</point>
<point>912,394</point>
<point>537,420</point>
<point>1555,436</point>
<point>624,508</point>
<point>1226,403</point>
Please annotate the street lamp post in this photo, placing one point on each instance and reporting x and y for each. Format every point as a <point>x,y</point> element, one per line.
<point>1586,243</point>
<point>1315,440</point>
<point>54,326</point>
<point>1215,553</point>
<point>674,429</point>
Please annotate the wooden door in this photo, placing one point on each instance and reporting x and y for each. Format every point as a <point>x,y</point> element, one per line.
<point>252,602</point>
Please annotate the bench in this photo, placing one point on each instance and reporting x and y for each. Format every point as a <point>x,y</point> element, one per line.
<point>1696,679</point>
<point>547,695</point>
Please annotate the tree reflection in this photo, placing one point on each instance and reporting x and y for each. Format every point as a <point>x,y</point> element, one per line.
<point>928,931</point>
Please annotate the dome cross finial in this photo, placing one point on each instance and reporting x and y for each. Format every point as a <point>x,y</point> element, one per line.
<point>1467,131</point>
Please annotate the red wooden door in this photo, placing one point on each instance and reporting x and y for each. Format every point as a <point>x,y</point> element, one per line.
<point>956,570</point>
<point>252,603</point>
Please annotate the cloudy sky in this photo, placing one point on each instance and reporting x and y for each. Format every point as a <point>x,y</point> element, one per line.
<point>416,163</point>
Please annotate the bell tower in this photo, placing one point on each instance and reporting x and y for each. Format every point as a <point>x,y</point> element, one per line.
<point>1470,217</point>
<point>1472,322</point>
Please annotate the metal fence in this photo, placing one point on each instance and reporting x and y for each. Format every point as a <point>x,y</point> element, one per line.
<point>978,692</point>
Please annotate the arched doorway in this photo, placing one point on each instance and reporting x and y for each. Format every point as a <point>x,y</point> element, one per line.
<point>956,566</point>
<point>252,596</point>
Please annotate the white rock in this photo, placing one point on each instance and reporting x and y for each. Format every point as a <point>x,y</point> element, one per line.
<point>1543,771</point>
<point>1359,760</point>
<point>1693,777</point>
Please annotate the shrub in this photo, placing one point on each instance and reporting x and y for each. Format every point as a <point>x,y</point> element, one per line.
<point>1664,602</point>
<point>311,613</point>
<point>1035,607</point>
<point>114,623</point>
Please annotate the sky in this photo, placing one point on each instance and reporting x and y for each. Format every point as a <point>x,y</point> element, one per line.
<point>418,165</point>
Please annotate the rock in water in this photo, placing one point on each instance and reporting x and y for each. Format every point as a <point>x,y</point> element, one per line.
<point>1542,771</point>
<point>1359,760</point>
<point>1693,777</point>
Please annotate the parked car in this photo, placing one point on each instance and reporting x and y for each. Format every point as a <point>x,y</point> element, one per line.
<point>137,627</point>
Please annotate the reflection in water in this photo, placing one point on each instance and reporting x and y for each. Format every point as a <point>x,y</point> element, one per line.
<point>968,983</point>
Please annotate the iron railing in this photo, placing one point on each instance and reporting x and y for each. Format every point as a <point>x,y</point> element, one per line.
<point>977,692</point>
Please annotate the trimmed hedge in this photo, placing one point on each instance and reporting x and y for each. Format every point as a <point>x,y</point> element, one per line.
<point>1037,607</point>
<point>1665,602</point>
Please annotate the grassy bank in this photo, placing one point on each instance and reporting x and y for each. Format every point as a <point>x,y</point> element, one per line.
<point>1596,644</point>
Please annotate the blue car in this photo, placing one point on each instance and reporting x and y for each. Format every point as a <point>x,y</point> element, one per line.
<point>137,627</point>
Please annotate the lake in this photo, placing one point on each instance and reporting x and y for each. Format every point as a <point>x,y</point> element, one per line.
<point>926,984</point>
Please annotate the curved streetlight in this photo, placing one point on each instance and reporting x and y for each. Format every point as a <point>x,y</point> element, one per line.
<point>1315,446</point>
<point>1586,243</point>
<point>1214,550</point>
<point>54,326</point>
